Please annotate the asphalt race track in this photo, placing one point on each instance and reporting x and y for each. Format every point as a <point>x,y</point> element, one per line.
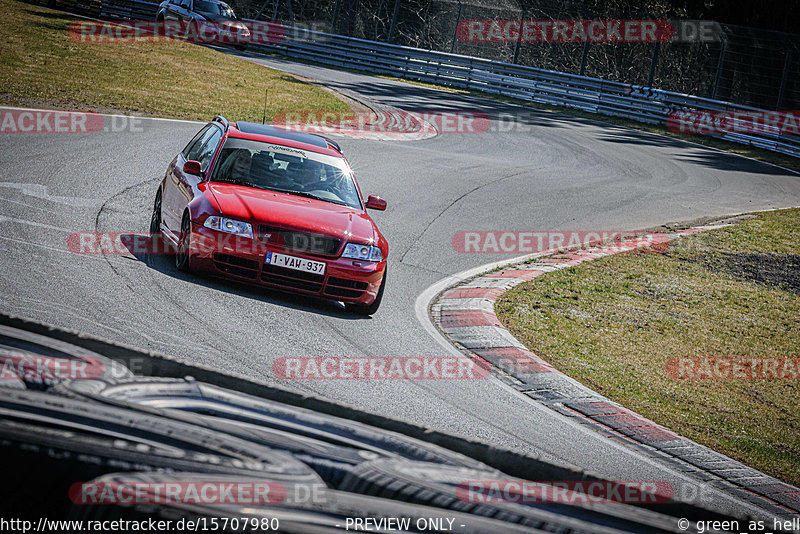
<point>550,173</point>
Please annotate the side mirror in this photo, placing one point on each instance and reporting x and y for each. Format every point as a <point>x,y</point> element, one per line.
<point>192,167</point>
<point>376,203</point>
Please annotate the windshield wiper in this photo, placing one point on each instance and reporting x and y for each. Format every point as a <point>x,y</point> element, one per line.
<point>309,195</point>
<point>234,182</point>
<point>299,193</point>
<point>288,191</point>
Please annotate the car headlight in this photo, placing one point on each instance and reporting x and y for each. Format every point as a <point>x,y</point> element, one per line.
<point>231,226</point>
<point>362,252</point>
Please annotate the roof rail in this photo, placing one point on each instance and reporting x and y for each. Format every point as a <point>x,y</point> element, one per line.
<point>223,121</point>
<point>332,144</point>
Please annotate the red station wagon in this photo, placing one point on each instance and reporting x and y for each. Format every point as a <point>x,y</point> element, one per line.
<point>260,204</point>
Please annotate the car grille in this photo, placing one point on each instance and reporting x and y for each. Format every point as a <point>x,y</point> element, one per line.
<point>299,241</point>
<point>342,287</point>
<point>236,266</point>
<point>291,278</point>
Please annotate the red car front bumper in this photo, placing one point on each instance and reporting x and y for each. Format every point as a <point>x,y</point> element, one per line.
<point>243,259</point>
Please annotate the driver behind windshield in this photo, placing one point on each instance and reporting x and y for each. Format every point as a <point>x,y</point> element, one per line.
<point>237,166</point>
<point>322,180</point>
<point>305,175</point>
<point>263,173</point>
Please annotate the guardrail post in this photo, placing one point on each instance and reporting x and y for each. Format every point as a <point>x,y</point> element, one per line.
<point>587,14</point>
<point>519,37</point>
<point>455,28</point>
<point>787,63</point>
<point>720,66</point>
<point>261,10</point>
<point>335,17</point>
<point>584,57</point>
<point>653,63</point>
<point>394,20</point>
<point>291,11</point>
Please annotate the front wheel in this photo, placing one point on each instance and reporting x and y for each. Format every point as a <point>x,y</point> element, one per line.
<point>368,309</point>
<point>155,218</point>
<point>184,245</point>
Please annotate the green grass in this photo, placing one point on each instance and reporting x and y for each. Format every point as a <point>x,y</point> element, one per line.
<point>42,67</point>
<point>614,323</point>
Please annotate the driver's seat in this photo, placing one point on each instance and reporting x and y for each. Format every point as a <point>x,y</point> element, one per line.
<point>261,170</point>
<point>302,173</point>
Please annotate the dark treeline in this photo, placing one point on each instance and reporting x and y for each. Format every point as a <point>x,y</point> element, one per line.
<point>780,15</point>
<point>756,62</point>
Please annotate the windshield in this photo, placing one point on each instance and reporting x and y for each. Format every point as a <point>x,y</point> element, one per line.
<point>214,8</point>
<point>285,169</point>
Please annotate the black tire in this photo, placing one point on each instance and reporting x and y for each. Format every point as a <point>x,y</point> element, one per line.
<point>183,254</point>
<point>19,346</point>
<point>437,485</point>
<point>11,380</point>
<point>155,217</point>
<point>331,461</point>
<point>326,514</point>
<point>369,309</point>
<point>50,442</point>
<point>229,407</point>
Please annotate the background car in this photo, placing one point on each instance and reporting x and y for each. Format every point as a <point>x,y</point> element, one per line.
<point>220,14</point>
<point>269,206</point>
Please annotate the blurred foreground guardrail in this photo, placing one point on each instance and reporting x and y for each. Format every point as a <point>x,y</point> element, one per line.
<point>638,103</point>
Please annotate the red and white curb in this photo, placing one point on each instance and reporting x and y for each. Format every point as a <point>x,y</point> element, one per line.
<point>463,311</point>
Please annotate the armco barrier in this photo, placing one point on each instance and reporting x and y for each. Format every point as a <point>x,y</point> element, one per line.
<point>642,104</point>
<point>523,466</point>
<point>132,10</point>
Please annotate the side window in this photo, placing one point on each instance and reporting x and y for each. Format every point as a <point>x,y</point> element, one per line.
<point>209,146</point>
<point>194,141</point>
<point>197,147</point>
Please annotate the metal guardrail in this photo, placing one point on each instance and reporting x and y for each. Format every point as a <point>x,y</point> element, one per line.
<point>128,9</point>
<point>642,104</point>
<point>638,103</point>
